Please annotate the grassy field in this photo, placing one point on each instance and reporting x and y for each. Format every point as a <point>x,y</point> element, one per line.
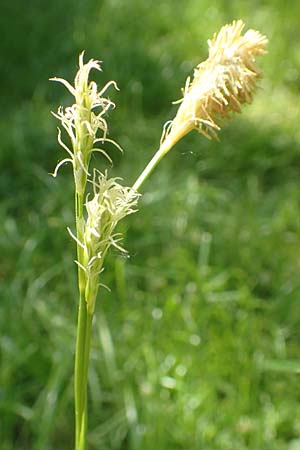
<point>197,346</point>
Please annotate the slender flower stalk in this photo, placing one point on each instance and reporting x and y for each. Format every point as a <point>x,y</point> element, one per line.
<point>95,220</point>
<point>220,86</point>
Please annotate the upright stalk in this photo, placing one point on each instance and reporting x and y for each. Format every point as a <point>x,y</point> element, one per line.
<point>83,345</point>
<point>83,340</point>
<point>85,125</point>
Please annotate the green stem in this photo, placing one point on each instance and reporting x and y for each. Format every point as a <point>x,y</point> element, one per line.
<point>80,405</point>
<point>83,339</point>
<point>161,152</point>
<point>83,366</point>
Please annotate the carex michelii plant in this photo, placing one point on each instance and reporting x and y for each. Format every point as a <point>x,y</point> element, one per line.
<point>221,85</point>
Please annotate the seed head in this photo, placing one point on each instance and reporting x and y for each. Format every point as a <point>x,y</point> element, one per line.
<point>221,84</point>
<point>84,121</point>
<point>110,204</point>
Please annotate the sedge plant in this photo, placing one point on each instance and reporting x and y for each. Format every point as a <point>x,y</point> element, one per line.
<point>220,85</point>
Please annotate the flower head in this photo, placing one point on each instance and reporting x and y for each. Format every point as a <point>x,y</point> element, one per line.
<point>221,84</point>
<point>84,121</point>
<point>110,204</point>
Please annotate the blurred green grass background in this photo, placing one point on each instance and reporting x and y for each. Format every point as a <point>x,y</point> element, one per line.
<point>197,346</point>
